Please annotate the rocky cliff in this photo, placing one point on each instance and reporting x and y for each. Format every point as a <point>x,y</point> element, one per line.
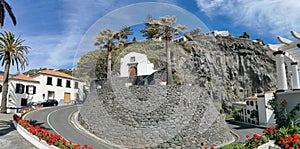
<point>230,68</point>
<point>233,68</point>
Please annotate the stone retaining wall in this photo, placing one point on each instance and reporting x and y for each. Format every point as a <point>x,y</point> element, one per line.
<point>155,116</point>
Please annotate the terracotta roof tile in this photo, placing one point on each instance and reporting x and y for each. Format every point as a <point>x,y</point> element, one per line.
<point>1,77</point>
<point>252,97</point>
<point>272,91</point>
<point>23,77</point>
<point>57,73</point>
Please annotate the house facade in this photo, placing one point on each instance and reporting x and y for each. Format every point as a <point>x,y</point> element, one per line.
<point>46,84</point>
<point>58,85</point>
<point>256,110</point>
<point>136,64</point>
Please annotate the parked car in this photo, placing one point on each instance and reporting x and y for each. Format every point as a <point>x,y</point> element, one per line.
<point>50,102</point>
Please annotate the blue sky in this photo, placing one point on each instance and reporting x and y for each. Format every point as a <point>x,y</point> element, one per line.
<point>59,30</point>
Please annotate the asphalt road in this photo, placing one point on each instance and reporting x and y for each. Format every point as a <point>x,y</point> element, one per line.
<point>243,130</point>
<point>57,120</point>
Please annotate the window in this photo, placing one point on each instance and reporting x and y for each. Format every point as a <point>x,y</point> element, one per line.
<point>68,83</point>
<point>248,111</point>
<point>30,89</point>
<point>49,80</point>
<point>51,95</point>
<point>247,103</point>
<point>59,82</point>
<point>0,88</point>
<point>132,59</point>
<point>76,85</point>
<point>20,88</point>
<point>251,103</point>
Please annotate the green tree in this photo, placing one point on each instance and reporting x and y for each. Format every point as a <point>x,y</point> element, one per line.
<point>134,39</point>
<point>106,40</point>
<point>110,40</point>
<point>167,30</point>
<point>12,52</point>
<point>5,6</point>
<point>245,35</point>
<point>124,33</point>
<point>194,33</point>
<point>151,30</point>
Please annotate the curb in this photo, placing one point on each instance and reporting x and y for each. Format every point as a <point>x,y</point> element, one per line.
<point>233,140</point>
<point>73,118</point>
<point>235,134</point>
<point>31,138</point>
<point>258,126</point>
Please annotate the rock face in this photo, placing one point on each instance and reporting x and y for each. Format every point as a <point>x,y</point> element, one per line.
<point>155,116</point>
<point>231,68</point>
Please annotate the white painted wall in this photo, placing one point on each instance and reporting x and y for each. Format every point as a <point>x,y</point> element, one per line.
<point>144,66</point>
<point>250,108</point>
<point>266,115</point>
<point>59,91</point>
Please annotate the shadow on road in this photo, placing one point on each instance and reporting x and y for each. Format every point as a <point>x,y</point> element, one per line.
<point>6,127</point>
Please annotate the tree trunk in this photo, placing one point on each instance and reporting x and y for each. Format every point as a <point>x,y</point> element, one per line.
<point>169,64</point>
<point>5,87</point>
<point>108,63</point>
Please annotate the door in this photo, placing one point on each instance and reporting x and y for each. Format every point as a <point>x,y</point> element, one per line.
<point>132,71</point>
<point>23,101</point>
<point>67,97</point>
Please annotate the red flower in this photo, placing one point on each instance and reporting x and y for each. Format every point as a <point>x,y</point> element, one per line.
<point>255,136</point>
<point>212,147</point>
<point>287,145</point>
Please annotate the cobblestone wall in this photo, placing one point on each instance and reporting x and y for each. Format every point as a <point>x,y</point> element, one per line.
<point>155,116</point>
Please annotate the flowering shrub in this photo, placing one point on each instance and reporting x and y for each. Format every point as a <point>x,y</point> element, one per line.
<point>289,142</point>
<point>50,138</point>
<point>271,133</point>
<point>26,109</point>
<point>255,141</point>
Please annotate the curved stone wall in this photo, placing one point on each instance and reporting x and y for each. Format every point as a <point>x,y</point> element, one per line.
<point>155,116</point>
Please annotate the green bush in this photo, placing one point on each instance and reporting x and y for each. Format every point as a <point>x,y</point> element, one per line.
<point>228,116</point>
<point>233,146</point>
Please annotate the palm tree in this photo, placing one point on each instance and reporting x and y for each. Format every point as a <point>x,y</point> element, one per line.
<point>105,39</point>
<point>123,33</point>
<point>151,30</point>
<point>167,31</point>
<point>110,40</point>
<point>12,52</point>
<point>5,6</point>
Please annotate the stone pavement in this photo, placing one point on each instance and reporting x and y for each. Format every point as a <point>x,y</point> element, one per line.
<point>9,137</point>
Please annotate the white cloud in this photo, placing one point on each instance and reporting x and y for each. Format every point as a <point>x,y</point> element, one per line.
<point>274,16</point>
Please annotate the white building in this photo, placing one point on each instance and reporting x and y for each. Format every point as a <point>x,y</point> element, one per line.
<point>136,64</point>
<point>266,115</point>
<point>251,107</point>
<point>180,39</point>
<point>58,85</point>
<point>21,91</point>
<point>218,33</point>
<point>257,104</point>
<point>46,84</point>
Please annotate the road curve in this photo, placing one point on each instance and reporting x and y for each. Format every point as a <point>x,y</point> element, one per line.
<point>57,120</point>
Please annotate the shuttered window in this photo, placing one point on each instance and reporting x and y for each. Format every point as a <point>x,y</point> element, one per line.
<point>20,88</point>
<point>30,89</point>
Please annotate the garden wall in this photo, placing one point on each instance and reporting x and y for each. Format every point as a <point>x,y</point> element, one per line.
<point>155,116</point>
